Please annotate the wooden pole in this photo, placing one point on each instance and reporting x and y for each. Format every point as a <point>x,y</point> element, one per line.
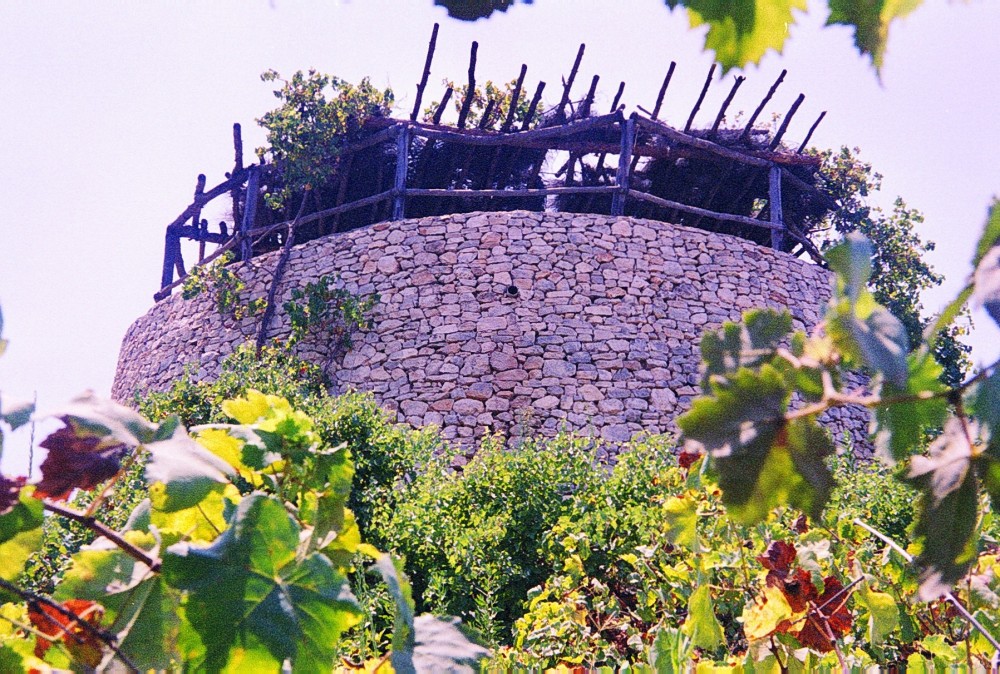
<point>725,105</point>
<point>701,97</point>
<point>427,73</point>
<point>589,100</point>
<point>663,90</point>
<point>484,121</point>
<point>568,84</point>
<point>624,162</point>
<point>785,122</point>
<point>167,277</point>
<point>470,93</point>
<point>402,162</point>
<point>199,189</point>
<point>760,108</point>
<point>809,135</point>
<point>526,124</point>
<point>249,213</point>
<point>514,98</point>
<point>441,106</point>
<point>234,193</point>
<point>774,205</point>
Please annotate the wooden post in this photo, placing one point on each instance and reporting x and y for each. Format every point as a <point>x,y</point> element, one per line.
<point>199,189</point>
<point>785,122</point>
<point>402,161</point>
<point>168,259</point>
<point>760,108</point>
<point>427,73</point>
<point>442,105</point>
<point>774,204</point>
<point>701,97</point>
<point>528,118</point>
<point>514,98</point>
<point>470,91</point>
<point>237,167</point>
<point>624,166</point>
<point>663,91</point>
<point>249,213</point>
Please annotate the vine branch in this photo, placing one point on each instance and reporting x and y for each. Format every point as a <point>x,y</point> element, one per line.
<point>102,529</point>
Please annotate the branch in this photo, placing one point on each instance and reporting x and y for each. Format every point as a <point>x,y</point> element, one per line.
<point>106,637</point>
<point>102,529</point>
<point>948,595</point>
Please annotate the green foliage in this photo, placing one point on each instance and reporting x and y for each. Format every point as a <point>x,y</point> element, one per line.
<point>318,115</point>
<point>225,287</point>
<point>326,309</point>
<point>501,95</point>
<point>741,32</point>
<point>899,272</point>
<point>383,453</point>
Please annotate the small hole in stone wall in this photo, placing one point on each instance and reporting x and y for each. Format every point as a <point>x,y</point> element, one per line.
<point>513,291</point>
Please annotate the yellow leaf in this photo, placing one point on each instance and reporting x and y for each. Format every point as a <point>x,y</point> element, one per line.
<point>762,618</point>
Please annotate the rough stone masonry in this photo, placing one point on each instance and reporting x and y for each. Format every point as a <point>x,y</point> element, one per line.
<point>517,322</point>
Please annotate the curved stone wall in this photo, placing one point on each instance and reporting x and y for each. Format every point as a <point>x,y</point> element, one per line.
<point>515,321</point>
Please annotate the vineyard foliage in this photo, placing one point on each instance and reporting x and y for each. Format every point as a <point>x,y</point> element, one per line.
<point>754,549</point>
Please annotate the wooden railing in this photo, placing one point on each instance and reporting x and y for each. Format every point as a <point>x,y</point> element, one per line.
<point>607,135</point>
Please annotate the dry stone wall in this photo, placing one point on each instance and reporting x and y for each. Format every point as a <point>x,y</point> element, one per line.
<point>518,322</point>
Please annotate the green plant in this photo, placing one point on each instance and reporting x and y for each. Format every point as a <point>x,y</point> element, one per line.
<point>226,288</point>
<point>325,308</point>
<point>318,115</point>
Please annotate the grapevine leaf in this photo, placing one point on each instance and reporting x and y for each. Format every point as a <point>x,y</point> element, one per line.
<point>984,403</point>
<point>947,316</point>
<point>252,602</point>
<point>949,510</point>
<point>140,610</point>
<point>831,609</point>
<point>883,613</point>
<point>767,614</point>
<point>680,521</point>
<point>743,345</point>
<point>778,557</point>
<point>90,416</point>
<point>871,21</point>
<point>15,412</point>
<point>203,521</point>
<point>20,534</point>
<point>991,233</point>
<point>865,331</point>
<point>184,471</point>
<point>442,646</point>
<point>737,426</point>
<point>77,462</point>
<point>898,428</point>
<point>987,283</point>
<point>743,31</point>
<point>10,492</point>
<point>403,636</point>
<point>701,625</point>
<point>85,646</point>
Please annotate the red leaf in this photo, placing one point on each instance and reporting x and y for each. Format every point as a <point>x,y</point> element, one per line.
<point>798,589</point>
<point>778,557</point>
<point>835,614</point>
<point>801,524</point>
<point>82,643</point>
<point>77,462</point>
<point>687,459</point>
<point>10,493</point>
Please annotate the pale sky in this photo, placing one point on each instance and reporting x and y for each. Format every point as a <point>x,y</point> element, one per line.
<point>109,111</point>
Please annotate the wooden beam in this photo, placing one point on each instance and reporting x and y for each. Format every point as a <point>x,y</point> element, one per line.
<point>442,105</point>
<point>628,129</point>
<point>784,123</point>
<point>700,143</point>
<point>249,213</point>
<point>584,110</point>
<point>725,104</point>
<point>809,135</point>
<point>535,100</point>
<point>514,98</point>
<point>234,193</point>
<point>427,73</point>
<point>402,162</point>
<point>676,205</point>
<point>663,91</point>
<point>760,108</point>
<point>568,83</point>
<point>701,97</point>
<point>774,206</point>
<point>530,192</point>
<point>196,216</point>
<point>470,92</point>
